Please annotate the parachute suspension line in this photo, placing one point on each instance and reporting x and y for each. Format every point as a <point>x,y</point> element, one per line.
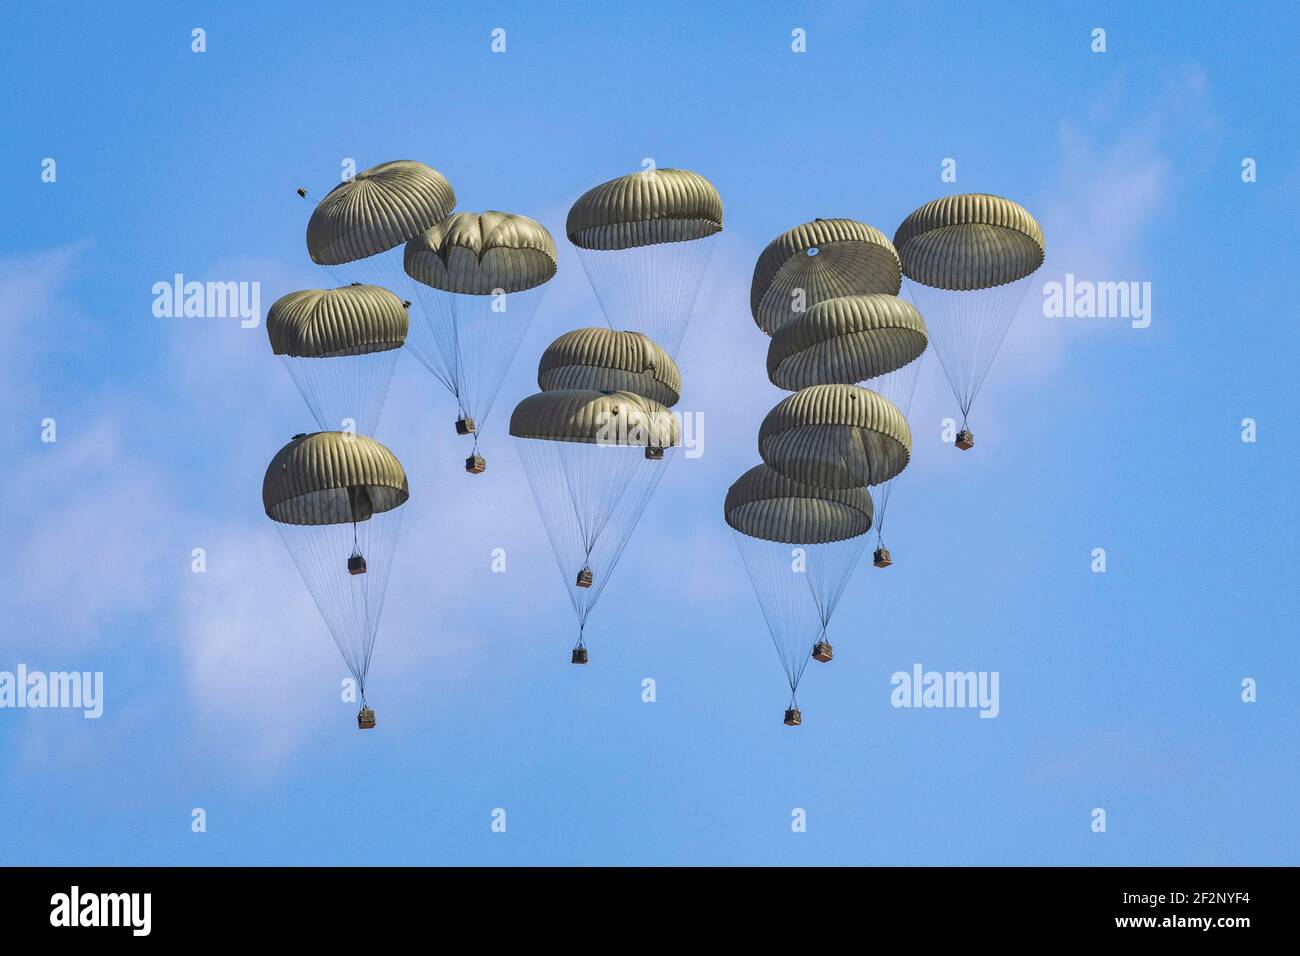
<point>649,289</point>
<point>797,611</point>
<point>342,387</point>
<point>349,604</point>
<point>590,497</point>
<point>968,329</point>
<point>467,345</point>
<point>899,386</point>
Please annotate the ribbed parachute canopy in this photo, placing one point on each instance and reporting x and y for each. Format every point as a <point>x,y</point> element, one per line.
<point>590,417</point>
<point>765,504</point>
<point>800,545</point>
<point>968,259</point>
<point>819,260</point>
<point>485,253</point>
<point>836,436</point>
<point>972,241</point>
<point>605,360</point>
<point>645,240</point>
<point>479,279</point>
<point>587,457</point>
<point>336,499</point>
<point>376,210</point>
<point>327,323</point>
<point>846,340</point>
<point>340,347</point>
<point>332,478</point>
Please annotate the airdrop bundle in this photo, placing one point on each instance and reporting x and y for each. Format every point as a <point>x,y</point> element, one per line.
<point>459,290</point>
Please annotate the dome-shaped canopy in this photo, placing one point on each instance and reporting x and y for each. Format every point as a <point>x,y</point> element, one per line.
<point>604,360</point>
<point>645,208</point>
<point>480,253</point>
<point>377,209</point>
<point>971,241</point>
<point>836,436</point>
<point>824,258</point>
<point>595,418</point>
<point>845,340</point>
<point>332,478</point>
<point>765,504</point>
<point>324,323</point>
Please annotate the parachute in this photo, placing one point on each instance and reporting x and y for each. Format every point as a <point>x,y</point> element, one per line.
<point>968,259</point>
<point>645,240</point>
<point>822,259</point>
<point>604,360</point>
<point>875,339</point>
<point>340,347</point>
<point>355,228</point>
<point>800,545</point>
<point>835,436</point>
<point>593,460</point>
<point>479,279</point>
<point>336,499</point>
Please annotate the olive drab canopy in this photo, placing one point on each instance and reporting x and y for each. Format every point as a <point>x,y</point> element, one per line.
<point>972,241</point>
<point>323,323</point>
<point>482,254</point>
<point>820,260</point>
<point>845,340</point>
<point>645,208</point>
<point>765,504</point>
<point>836,436</point>
<point>332,478</point>
<point>377,209</point>
<point>605,360</point>
<point>586,416</point>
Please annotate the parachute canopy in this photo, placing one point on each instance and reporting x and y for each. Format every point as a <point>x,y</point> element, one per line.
<point>604,360</point>
<point>332,478</point>
<point>586,416</point>
<point>482,254</point>
<point>377,209</point>
<point>763,503</point>
<point>645,208</point>
<point>971,241</point>
<point>845,340</point>
<point>324,323</point>
<point>836,436</point>
<point>824,258</point>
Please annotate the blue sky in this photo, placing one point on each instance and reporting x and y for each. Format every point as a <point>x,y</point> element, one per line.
<point>1120,691</point>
